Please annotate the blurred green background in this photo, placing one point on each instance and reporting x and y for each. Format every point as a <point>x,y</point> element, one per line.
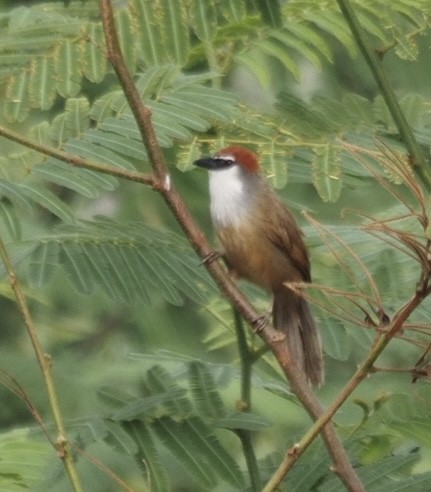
<point>98,342</point>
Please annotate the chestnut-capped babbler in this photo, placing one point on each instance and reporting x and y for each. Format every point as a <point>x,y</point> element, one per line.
<point>263,243</point>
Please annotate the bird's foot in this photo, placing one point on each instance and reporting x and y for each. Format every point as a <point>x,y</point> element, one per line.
<point>210,257</point>
<point>260,322</point>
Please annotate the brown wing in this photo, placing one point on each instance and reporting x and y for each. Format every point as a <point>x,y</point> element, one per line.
<point>289,237</point>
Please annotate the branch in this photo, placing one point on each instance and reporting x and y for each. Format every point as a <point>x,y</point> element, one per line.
<point>62,444</point>
<point>365,368</point>
<point>76,161</point>
<point>299,384</point>
<point>416,156</point>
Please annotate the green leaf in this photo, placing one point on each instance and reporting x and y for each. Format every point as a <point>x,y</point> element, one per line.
<point>44,261</point>
<point>13,193</point>
<point>412,419</point>
<point>233,11</point>
<point>62,174</point>
<point>333,23</point>
<point>276,165</point>
<point>407,48</point>
<point>243,420</point>
<point>147,456</point>
<point>179,116</point>
<point>177,31</point>
<point>257,63</point>
<point>327,172</point>
<point>188,155</point>
<point>94,65</point>
<point>275,49</point>
<point>47,200</point>
<point>67,66</point>
<point>10,221</point>
<point>77,116</point>
<point>302,117</point>
<point>149,407</point>
<point>270,12</point>
<point>337,341</point>
<point>308,35</point>
<point>201,455</point>
<point>205,394</point>
<point>413,107</point>
<point>203,17</point>
<point>209,447</point>
<point>419,482</point>
<point>130,262</point>
<point>383,114</point>
<point>120,143</point>
<point>289,41</point>
<point>148,17</point>
<point>378,476</point>
<point>98,154</point>
<point>76,266</point>
<point>17,106</point>
<point>24,459</point>
<point>158,380</point>
<point>119,439</point>
<point>209,104</point>
<point>361,108</point>
<point>42,83</point>
<point>59,132</point>
<point>127,36</point>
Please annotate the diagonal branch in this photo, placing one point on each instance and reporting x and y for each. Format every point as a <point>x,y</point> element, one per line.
<point>342,465</point>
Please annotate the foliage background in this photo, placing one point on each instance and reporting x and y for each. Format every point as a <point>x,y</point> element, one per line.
<point>289,81</point>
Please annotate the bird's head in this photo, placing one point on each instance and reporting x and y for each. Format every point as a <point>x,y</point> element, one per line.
<point>229,157</point>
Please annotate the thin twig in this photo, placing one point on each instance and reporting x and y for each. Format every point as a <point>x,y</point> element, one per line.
<point>13,385</point>
<point>108,472</point>
<point>62,444</point>
<point>76,161</point>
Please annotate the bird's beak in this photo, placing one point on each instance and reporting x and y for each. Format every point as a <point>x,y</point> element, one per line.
<point>213,163</point>
<point>206,162</point>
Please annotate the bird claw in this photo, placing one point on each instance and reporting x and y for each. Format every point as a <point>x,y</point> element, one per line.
<point>260,322</point>
<point>210,257</point>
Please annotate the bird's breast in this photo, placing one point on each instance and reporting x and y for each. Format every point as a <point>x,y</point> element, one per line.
<point>253,256</point>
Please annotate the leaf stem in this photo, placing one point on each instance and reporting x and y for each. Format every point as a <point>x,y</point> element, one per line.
<point>62,444</point>
<point>416,155</point>
<point>246,437</point>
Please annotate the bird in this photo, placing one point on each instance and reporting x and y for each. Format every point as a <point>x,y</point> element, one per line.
<point>262,243</point>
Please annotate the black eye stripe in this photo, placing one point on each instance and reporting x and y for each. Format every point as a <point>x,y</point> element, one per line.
<point>222,163</point>
<point>215,163</point>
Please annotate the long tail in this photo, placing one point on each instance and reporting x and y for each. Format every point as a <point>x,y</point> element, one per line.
<point>293,317</point>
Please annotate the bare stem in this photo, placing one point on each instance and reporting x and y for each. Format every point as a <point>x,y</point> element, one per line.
<point>62,444</point>
<point>246,437</point>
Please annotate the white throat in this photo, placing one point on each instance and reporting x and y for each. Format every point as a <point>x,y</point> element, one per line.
<point>231,196</point>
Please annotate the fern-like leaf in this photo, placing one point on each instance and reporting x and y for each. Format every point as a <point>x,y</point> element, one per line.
<point>147,456</point>
<point>126,262</point>
<point>204,391</point>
